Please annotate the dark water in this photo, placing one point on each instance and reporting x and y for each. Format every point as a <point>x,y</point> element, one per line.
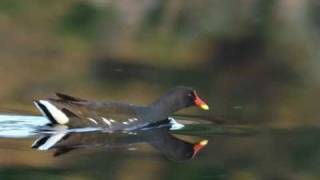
<point>255,62</point>
<point>233,152</point>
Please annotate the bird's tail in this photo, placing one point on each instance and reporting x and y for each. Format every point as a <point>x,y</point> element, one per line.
<point>49,110</point>
<point>48,141</point>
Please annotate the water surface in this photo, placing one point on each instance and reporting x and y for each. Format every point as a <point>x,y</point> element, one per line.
<point>233,152</point>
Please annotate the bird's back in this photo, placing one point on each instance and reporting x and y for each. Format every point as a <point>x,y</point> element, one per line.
<point>76,112</point>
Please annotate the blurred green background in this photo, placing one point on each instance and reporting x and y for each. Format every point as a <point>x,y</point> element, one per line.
<point>254,61</point>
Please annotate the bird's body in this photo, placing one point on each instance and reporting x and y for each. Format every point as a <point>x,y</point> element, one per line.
<point>108,115</point>
<point>159,137</point>
<point>67,112</point>
<point>114,116</point>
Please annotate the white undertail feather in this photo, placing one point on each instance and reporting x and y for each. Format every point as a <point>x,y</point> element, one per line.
<point>53,139</point>
<point>37,105</point>
<point>92,120</point>
<point>36,141</point>
<point>107,121</point>
<point>56,113</point>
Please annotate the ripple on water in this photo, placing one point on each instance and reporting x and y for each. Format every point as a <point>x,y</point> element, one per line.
<point>20,126</point>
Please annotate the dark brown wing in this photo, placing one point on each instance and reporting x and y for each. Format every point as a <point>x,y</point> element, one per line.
<point>69,98</point>
<point>77,112</point>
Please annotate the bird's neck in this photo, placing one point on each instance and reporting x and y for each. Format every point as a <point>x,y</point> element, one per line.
<point>164,108</point>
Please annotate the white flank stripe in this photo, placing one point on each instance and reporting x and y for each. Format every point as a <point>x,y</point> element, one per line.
<point>58,115</point>
<point>111,120</point>
<point>125,123</point>
<point>132,133</point>
<point>130,120</point>
<point>52,141</point>
<point>106,121</point>
<point>92,120</point>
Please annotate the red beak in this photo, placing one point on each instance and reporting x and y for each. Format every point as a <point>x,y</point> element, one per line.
<point>199,102</point>
<point>197,147</point>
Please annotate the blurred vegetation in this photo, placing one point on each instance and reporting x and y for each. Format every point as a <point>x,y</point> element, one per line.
<point>256,62</point>
<point>80,20</point>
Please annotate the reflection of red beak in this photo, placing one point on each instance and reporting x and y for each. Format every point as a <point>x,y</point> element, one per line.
<point>197,147</point>
<point>199,102</point>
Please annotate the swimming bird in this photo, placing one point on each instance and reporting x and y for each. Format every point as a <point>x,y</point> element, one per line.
<point>116,116</point>
<point>158,137</point>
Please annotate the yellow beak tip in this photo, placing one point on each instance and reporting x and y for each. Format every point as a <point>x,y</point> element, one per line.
<point>204,142</point>
<point>205,107</point>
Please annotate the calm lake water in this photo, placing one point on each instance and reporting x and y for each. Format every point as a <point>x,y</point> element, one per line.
<point>233,152</point>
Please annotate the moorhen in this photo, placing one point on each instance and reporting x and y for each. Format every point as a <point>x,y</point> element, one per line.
<point>116,116</point>
<point>158,137</point>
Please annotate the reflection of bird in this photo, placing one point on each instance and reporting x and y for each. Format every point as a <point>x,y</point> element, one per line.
<point>159,137</point>
<point>116,116</point>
